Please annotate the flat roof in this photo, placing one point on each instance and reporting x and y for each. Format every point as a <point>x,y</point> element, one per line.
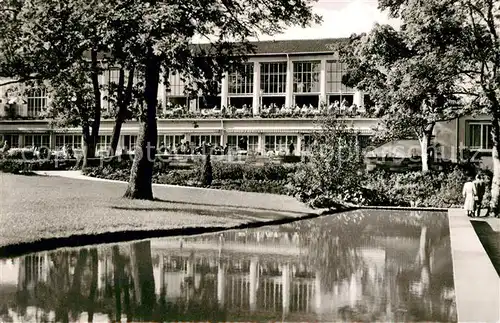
<point>293,47</point>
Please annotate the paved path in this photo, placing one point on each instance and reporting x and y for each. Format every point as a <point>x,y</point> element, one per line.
<point>477,284</point>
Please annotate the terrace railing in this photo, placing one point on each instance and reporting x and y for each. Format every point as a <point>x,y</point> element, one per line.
<point>264,112</point>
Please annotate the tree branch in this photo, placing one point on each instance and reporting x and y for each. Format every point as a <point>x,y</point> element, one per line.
<point>21,80</point>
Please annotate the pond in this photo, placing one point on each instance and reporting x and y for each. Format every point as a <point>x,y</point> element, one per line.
<point>363,265</point>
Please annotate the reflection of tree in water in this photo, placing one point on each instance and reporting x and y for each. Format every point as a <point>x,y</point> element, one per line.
<point>333,244</point>
<point>197,304</point>
<point>416,289</point>
<point>144,285</point>
<point>332,248</point>
<point>428,283</point>
<point>68,290</point>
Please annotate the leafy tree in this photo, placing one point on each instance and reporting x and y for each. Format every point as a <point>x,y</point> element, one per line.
<point>158,39</point>
<point>74,104</point>
<point>331,176</point>
<point>57,43</point>
<point>124,97</point>
<point>40,38</point>
<point>413,85</point>
<point>469,31</point>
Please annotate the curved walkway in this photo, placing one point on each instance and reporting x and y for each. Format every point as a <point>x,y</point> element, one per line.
<point>70,206</point>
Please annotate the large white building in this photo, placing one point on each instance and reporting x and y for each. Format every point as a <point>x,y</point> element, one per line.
<point>302,74</point>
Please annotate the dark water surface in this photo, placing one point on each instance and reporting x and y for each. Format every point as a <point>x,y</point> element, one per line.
<point>358,266</point>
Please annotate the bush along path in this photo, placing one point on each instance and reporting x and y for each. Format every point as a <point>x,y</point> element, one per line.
<point>441,189</point>
<point>270,178</point>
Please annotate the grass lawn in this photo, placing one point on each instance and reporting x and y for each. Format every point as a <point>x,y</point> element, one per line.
<point>40,207</point>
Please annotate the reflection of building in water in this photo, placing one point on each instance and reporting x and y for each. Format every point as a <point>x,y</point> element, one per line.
<point>266,282</point>
<point>33,269</point>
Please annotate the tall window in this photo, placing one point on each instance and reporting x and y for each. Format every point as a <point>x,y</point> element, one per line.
<point>74,141</point>
<point>210,98</point>
<point>212,139</point>
<point>241,86</point>
<point>273,78</point>
<point>176,86</point>
<point>279,143</point>
<point>36,101</point>
<point>306,83</point>
<point>243,142</point>
<point>306,143</point>
<point>241,80</point>
<point>12,140</point>
<point>335,89</point>
<point>104,143</point>
<point>479,135</point>
<point>36,141</point>
<point>175,91</point>
<point>306,77</point>
<point>129,142</point>
<point>169,141</point>
<point>112,78</point>
<point>364,141</point>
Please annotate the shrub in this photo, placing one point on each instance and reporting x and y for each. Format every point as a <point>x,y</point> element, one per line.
<point>20,153</point>
<point>431,189</point>
<point>234,171</point>
<point>178,177</point>
<point>17,166</point>
<point>227,171</point>
<point>206,175</point>
<point>333,171</point>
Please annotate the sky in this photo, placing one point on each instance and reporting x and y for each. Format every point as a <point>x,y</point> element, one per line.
<point>341,18</point>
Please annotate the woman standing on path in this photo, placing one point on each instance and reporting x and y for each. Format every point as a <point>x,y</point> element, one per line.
<point>469,193</point>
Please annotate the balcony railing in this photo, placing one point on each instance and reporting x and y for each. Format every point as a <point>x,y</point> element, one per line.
<point>296,112</point>
<point>273,111</point>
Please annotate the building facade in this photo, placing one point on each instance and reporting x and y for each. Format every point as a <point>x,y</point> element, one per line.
<point>272,103</point>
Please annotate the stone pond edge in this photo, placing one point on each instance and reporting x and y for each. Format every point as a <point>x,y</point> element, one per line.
<point>477,284</point>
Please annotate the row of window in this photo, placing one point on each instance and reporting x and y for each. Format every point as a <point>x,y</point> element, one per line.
<point>239,101</point>
<point>478,136</point>
<point>306,79</point>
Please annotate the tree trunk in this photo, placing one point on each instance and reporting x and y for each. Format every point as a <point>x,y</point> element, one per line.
<point>124,99</point>
<point>495,154</point>
<point>115,136</point>
<point>94,135</point>
<point>425,143</point>
<point>89,145</point>
<point>141,175</point>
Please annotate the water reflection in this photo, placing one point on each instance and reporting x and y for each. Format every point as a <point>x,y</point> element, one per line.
<point>362,266</point>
